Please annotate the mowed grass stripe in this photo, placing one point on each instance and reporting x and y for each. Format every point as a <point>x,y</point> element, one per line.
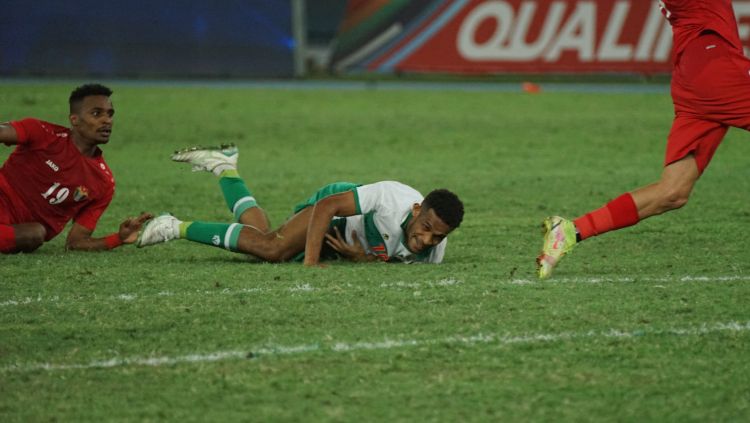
<point>399,285</point>
<point>296,289</point>
<point>388,344</point>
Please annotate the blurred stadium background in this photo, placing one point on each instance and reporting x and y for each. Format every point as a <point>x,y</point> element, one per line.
<point>299,38</point>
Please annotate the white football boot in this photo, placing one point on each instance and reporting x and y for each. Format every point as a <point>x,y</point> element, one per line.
<point>209,159</point>
<point>159,229</point>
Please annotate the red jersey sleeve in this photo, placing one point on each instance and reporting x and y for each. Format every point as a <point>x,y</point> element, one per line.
<point>29,130</point>
<point>89,216</point>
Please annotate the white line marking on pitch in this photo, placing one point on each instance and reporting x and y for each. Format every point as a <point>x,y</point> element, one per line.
<point>385,344</point>
<point>598,280</point>
<point>29,300</point>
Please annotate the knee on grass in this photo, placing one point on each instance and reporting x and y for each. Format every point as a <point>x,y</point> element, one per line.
<point>29,236</point>
<point>278,254</point>
<point>275,250</point>
<point>674,198</point>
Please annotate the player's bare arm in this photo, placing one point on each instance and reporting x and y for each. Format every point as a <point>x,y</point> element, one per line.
<point>354,251</point>
<point>8,134</point>
<point>79,237</point>
<point>343,204</point>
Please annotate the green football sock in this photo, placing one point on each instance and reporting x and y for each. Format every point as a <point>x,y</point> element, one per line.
<point>222,235</point>
<point>237,195</point>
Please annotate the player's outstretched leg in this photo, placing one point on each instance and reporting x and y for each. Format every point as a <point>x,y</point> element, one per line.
<point>222,162</point>
<point>209,159</point>
<point>559,239</point>
<point>166,227</point>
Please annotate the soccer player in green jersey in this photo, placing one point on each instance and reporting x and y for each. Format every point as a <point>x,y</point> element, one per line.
<point>383,221</point>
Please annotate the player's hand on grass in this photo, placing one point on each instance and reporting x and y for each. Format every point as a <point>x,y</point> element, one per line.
<point>354,251</point>
<point>129,228</point>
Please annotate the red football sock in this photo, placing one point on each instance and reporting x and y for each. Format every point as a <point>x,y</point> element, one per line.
<point>617,214</point>
<point>7,239</point>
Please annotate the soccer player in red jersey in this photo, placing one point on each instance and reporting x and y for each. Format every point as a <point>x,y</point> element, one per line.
<point>56,174</point>
<point>710,92</point>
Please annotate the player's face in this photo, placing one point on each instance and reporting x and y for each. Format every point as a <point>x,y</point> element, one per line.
<point>425,230</point>
<point>94,119</point>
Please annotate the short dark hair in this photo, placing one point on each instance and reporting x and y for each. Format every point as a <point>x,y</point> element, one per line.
<point>447,206</point>
<point>77,96</point>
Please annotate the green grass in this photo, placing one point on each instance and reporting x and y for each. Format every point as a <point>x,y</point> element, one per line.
<point>632,328</point>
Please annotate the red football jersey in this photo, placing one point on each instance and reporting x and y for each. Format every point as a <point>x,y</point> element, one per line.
<point>689,18</point>
<point>54,180</point>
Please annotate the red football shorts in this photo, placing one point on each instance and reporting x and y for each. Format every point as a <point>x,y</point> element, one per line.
<point>711,92</point>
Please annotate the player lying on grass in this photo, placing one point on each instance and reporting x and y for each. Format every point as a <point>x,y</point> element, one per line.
<point>710,92</point>
<point>385,221</point>
<point>56,174</point>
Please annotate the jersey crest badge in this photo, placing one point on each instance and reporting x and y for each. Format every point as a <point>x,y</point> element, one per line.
<point>667,14</point>
<point>81,194</point>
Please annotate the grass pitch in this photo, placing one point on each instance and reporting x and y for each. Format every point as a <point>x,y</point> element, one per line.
<point>650,323</point>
